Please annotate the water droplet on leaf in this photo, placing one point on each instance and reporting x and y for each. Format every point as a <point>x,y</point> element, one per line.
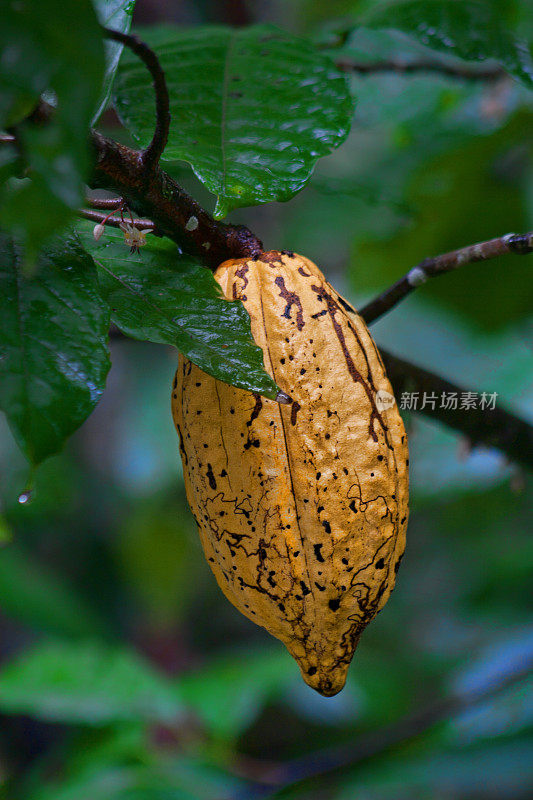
<point>25,497</point>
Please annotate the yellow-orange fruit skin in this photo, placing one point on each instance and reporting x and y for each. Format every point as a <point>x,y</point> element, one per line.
<point>302,508</point>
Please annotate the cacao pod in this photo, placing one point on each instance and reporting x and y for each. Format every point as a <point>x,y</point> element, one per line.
<point>301,508</point>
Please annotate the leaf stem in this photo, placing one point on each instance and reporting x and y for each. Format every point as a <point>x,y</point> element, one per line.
<point>175,213</point>
<point>150,155</point>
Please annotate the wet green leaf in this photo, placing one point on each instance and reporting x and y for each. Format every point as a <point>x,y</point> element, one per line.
<point>159,295</point>
<point>53,344</point>
<point>252,109</point>
<point>474,30</point>
<point>116,15</point>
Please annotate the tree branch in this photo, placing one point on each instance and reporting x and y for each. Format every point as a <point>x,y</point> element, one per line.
<point>172,210</point>
<point>518,244</point>
<point>490,427</point>
<point>326,762</point>
<point>104,202</point>
<point>115,222</point>
<point>409,67</point>
<point>150,156</point>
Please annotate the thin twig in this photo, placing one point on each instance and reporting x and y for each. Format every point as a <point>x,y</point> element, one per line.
<point>325,762</point>
<point>491,73</point>
<point>518,244</point>
<point>115,222</point>
<point>491,427</point>
<point>7,138</point>
<point>150,155</point>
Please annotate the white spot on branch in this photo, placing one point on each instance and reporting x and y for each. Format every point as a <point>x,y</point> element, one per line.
<point>416,277</point>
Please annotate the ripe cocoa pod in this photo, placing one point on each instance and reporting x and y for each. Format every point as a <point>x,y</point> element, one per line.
<point>301,508</point>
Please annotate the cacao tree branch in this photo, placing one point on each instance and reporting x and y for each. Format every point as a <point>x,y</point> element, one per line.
<point>317,765</point>
<point>115,222</point>
<point>150,155</point>
<point>464,72</point>
<point>518,244</point>
<point>496,427</point>
<point>173,211</point>
<point>156,195</point>
<point>104,202</point>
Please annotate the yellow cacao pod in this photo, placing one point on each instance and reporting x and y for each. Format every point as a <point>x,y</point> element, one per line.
<point>301,508</point>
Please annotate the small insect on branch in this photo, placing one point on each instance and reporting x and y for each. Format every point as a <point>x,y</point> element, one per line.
<point>150,155</point>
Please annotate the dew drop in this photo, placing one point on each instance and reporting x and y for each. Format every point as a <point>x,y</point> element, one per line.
<point>25,497</point>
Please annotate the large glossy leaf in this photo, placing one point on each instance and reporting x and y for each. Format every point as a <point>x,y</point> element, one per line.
<point>252,109</point>
<point>87,683</point>
<point>161,296</point>
<point>471,29</point>
<point>53,345</point>
<point>49,45</point>
<point>116,15</point>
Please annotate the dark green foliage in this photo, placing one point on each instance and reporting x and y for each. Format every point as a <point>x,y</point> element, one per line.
<point>48,46</point>
<point>474,30</point>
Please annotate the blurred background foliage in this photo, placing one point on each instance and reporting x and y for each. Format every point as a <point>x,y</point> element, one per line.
<point>124,672</point>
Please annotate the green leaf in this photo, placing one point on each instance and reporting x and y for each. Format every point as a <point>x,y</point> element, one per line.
<point>53,345</point>
<point>252,109</point>
<point>87,683</point>
<point>57,46</point>
<point>471,29</point>
<point>159,295</point>
<point>116,15</point>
